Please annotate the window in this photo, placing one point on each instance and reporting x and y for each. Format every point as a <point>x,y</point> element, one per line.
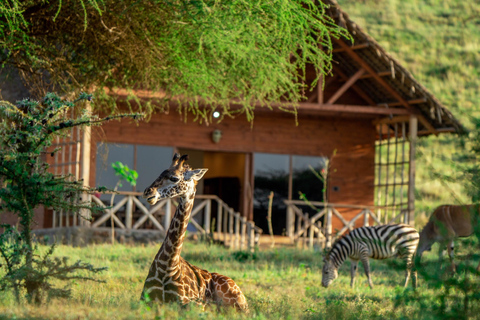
<point>286,176</point>
<point>271,172</point>
<point>303,178</point>
<point>107,153</point>
<point>148,161</point>
<point>151,161</point>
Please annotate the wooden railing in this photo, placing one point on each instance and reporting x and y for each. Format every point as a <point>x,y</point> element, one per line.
<point>317,229</point>
<point>130,213</point>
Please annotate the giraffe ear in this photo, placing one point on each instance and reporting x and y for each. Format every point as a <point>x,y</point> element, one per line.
<point>196,174</point>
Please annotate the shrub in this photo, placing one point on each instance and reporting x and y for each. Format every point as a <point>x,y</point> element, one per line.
<point>27,130</point>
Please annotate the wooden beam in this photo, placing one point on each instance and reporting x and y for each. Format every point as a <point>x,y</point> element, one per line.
<point>382,82</point>
<point>440,130</point>
<point>308,106</point>
<point>401,118</point>
<point>381,74</point>
<point>349,108</point>
<point>345,86</point>
<point>359,91</point>
<point>320,90</point>
<point>354,47</point>
<point>410,102</point>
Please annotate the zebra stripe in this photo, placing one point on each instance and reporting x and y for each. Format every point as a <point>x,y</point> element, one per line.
<point>376,242</point>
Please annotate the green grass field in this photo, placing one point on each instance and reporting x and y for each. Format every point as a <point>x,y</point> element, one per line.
<point>438,41</point>
<point>278,284</point>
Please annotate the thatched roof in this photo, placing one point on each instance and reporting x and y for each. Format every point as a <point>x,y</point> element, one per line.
<point>386,82</point>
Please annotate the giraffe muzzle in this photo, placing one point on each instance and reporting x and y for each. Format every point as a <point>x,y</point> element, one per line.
<point>152,200</point>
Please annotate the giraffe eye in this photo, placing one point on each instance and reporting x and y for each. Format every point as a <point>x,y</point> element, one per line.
<point>174,179</point>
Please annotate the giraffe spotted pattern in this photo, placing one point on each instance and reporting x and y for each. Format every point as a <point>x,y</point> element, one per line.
<point>171,278</point>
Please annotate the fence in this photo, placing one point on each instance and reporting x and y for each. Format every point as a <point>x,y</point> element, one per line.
<point>129,213</point>
<point>309,230</point>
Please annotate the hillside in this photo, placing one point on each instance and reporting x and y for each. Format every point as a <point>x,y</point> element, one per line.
<point>438,41</point>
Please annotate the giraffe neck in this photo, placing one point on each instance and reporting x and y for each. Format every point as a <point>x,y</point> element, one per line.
<point>172,246</point>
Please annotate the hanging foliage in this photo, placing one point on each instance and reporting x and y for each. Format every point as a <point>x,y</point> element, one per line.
<point>203,54</point>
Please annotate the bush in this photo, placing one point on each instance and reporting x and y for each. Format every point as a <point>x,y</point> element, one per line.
<point>27,130</point>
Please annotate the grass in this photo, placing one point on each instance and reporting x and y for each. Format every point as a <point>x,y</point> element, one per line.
<point>282,283</point>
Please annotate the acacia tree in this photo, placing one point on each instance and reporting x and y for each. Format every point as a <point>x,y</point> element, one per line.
<point>208,51</point>
<point>27,130</point>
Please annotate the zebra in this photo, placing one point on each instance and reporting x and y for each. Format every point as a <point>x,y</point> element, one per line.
<point>376,242</point>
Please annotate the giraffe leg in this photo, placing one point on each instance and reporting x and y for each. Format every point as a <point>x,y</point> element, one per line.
<point>226,292</point>
<point>353,270</point>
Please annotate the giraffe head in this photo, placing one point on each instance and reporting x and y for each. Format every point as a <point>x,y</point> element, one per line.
<point>177,180</point>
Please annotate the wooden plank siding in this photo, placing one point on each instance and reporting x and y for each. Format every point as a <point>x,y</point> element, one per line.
<point>352,172</point>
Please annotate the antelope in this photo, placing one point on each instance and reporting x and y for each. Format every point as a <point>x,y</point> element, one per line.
<point>447,223</point>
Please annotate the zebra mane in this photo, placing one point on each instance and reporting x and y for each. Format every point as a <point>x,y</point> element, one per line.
<point>327,255</point>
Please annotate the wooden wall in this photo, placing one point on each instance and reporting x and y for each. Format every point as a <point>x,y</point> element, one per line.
<point>352,171</point>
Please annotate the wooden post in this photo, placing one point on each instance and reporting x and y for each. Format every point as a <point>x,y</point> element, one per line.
<point>225,227</point>
<point>237,231</point>
<point>243,232</point>
<point>219,219</point>
<point>379,174</point>
<point>328,235</point>
<point>85,164</point>
<point>128,214</point>
<point>290,221</point>
<point>306,220</point>
<point>208,214</point>
<point>310,244</point>
<point>413,130</point>
<point>231,217</point>
<point>320,90</point>
<point>251,236</point>
<point>299,222</point>
<point>387,176</point>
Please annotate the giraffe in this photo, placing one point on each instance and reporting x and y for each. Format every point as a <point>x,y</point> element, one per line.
<point>171,278</point>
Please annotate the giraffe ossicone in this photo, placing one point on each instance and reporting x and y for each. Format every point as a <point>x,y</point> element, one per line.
<point>171,278</point>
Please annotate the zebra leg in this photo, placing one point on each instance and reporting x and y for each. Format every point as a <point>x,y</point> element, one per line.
<point>411,270</point>
<point>409,259</point>
<point>353,270</point>
<point>407,277</point>
<point>366,266</point>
